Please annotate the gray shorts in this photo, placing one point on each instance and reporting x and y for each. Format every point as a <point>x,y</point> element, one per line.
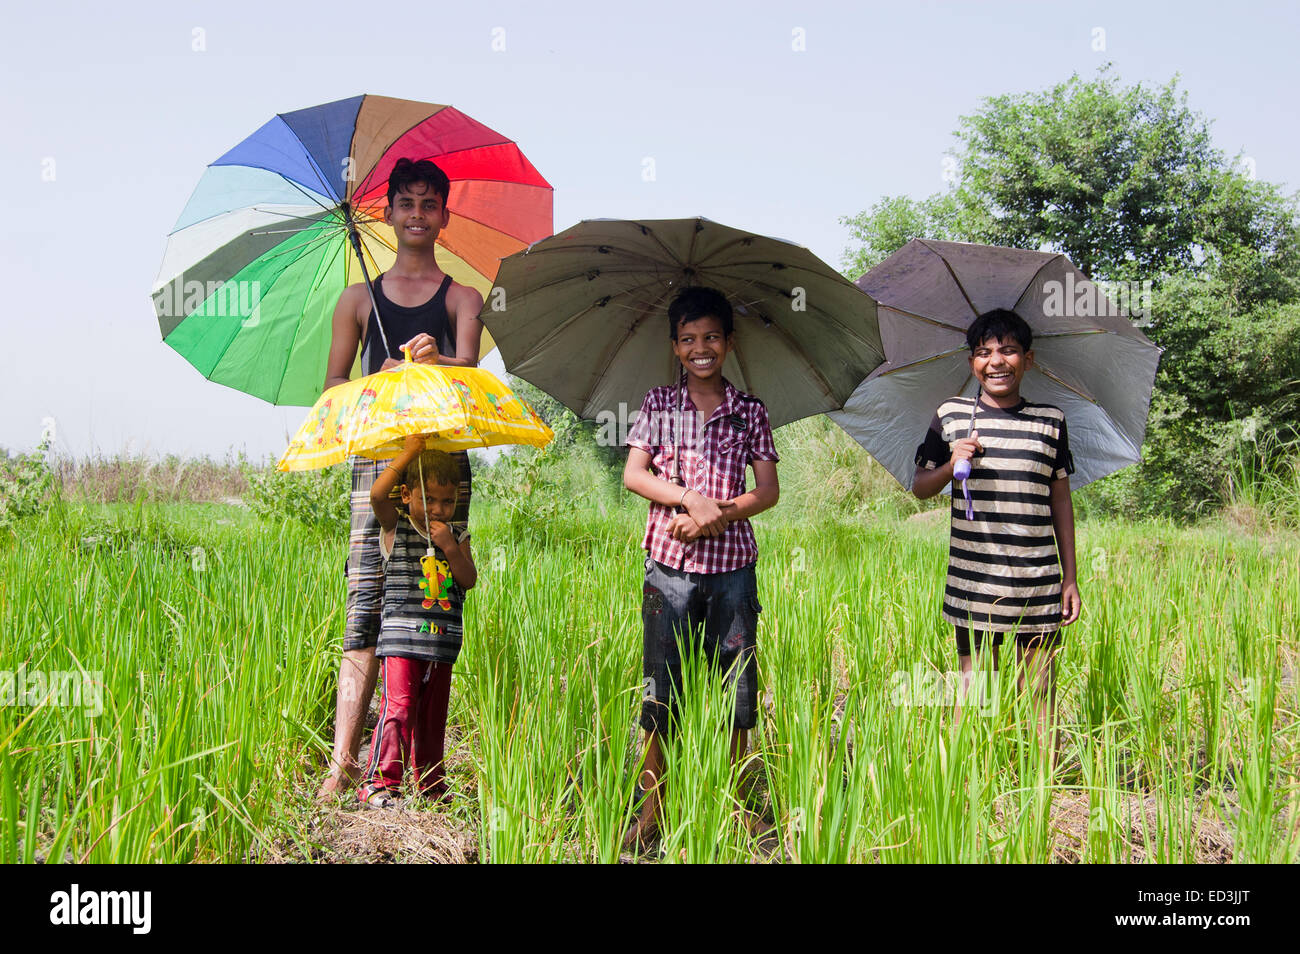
<point>716,613</point>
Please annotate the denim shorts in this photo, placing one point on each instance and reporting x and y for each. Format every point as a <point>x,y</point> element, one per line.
<point>716,613</point>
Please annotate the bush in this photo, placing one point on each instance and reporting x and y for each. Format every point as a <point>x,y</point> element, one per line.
<point>26,483</point>
<point>316,498</point>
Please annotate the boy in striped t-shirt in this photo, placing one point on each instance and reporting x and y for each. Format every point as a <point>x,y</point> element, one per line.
<point>1011,566</point>
<point>428,567</point>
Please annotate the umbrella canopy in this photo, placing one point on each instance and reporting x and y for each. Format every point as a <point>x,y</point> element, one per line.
<point>582,315</point>
<point>260,254</point>
<point>458,408</point>
<point>1090,361</point>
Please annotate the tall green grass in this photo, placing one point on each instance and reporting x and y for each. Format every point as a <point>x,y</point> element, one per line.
<point>1177,697</point>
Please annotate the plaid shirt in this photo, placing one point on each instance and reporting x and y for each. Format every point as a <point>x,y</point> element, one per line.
<point>712,464</point>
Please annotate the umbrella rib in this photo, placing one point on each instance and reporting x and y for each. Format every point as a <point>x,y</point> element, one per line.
<point>322,235</point>
<point>305,191</point>
<point>1032,278</point>
<point>929,321</point>
<point>320,175</point>
<point>955,280</point>
<point>1069,387</point>
<point>826,314</point>
<point>926,360</point>
<point>321,269</point>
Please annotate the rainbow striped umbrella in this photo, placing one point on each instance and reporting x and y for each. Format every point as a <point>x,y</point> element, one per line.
<point>261,252</point>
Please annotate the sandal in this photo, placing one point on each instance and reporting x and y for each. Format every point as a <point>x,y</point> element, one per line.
<point>378,796</point>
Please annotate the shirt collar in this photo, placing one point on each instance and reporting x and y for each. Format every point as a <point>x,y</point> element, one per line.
<point>729,405</point>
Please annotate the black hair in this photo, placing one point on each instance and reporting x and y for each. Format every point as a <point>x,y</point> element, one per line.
<point>999,325</point>
<point>407,172</point>
<point>439,468</point>
<point>697,301</point>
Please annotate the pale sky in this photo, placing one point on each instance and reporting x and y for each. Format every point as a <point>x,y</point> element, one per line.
<point>778,117</point>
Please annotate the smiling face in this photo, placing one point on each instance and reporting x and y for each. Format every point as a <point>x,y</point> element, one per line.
<point>417,214</point>
<point>999,364</point>
<point>701,347</point>
<point>439,499</point>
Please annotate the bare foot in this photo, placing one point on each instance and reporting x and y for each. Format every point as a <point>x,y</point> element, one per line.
<point>338,782</point>
<point>641,835</point>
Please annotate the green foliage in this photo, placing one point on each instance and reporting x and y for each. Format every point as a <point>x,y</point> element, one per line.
<point>316,498</point>
<point>574,474</point>
<point>894,221</point>
<point>26,484</point>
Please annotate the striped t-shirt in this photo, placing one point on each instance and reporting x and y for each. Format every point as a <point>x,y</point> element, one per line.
<point>1003,571</point>
<point>422,602</point>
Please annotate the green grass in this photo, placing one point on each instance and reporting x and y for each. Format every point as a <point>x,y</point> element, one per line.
<point>217,638</point>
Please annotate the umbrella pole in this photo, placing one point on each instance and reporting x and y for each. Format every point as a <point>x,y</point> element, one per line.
<point>424,500</point>
<point>355,237</point>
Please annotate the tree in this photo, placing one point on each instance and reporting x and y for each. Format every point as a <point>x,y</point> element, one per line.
<point>1125,182</point>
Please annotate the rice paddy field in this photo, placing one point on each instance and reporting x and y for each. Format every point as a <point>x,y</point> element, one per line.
<point>213,640</point>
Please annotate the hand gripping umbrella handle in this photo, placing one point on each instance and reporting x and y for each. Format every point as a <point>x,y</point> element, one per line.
<point>960,471</point>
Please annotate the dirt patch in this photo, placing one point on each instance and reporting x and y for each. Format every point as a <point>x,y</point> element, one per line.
<point>408,835</point>
<point>1138,818</point>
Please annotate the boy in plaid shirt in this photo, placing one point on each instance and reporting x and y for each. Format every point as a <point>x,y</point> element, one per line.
<point>687,455</point>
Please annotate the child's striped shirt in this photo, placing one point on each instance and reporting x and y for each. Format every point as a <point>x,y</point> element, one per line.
<point>1003,570</point>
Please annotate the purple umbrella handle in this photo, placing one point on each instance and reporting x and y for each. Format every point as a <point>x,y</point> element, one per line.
<point>960,471</point>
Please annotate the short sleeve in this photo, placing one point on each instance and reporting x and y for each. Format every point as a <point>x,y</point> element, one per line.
<point>761,447</point>
<point>1064,459</point>
<point>642,431</point>
<point>386,546</point>
<point>934,450</point>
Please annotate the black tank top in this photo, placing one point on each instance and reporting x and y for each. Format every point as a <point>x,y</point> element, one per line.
<point>401,324</point>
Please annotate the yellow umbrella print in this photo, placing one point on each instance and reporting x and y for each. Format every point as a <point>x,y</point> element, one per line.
<point>457,408</point>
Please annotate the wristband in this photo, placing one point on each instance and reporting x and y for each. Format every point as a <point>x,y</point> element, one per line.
<point>682,502</point>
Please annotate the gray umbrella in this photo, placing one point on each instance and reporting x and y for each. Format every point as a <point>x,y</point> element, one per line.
<point>1090,360</point>
<point>583,315</point>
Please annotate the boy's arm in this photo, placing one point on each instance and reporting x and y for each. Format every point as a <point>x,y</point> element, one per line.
<point>459,558</point>
<point>1062,505</point>
<point>346,336</point>
<point>707,513</point>
<point>766,492</point>
<point>389,478</point>
<point>927,483</point>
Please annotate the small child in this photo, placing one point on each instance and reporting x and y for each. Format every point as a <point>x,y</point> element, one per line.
<point>427,569</point>
<point>687,455</point>
<point>1011,566</point>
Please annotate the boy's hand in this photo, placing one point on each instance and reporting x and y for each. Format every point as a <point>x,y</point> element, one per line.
<point>423,348</point>
<point>967,447</point>
<point>414,444</point>
<point>1071,602</point>
<point>440,534</point>
<point>683,528</point>
<point>707,513</point>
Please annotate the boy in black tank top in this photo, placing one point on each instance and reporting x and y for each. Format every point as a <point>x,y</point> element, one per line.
<point>437,319</point>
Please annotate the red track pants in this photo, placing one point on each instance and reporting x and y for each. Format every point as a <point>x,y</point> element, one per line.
<point>412,725</point>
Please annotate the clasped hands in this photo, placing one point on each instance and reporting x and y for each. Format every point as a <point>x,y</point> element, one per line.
<point>703,518</point>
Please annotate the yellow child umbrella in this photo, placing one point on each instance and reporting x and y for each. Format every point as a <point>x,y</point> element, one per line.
<point>458,408</point>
